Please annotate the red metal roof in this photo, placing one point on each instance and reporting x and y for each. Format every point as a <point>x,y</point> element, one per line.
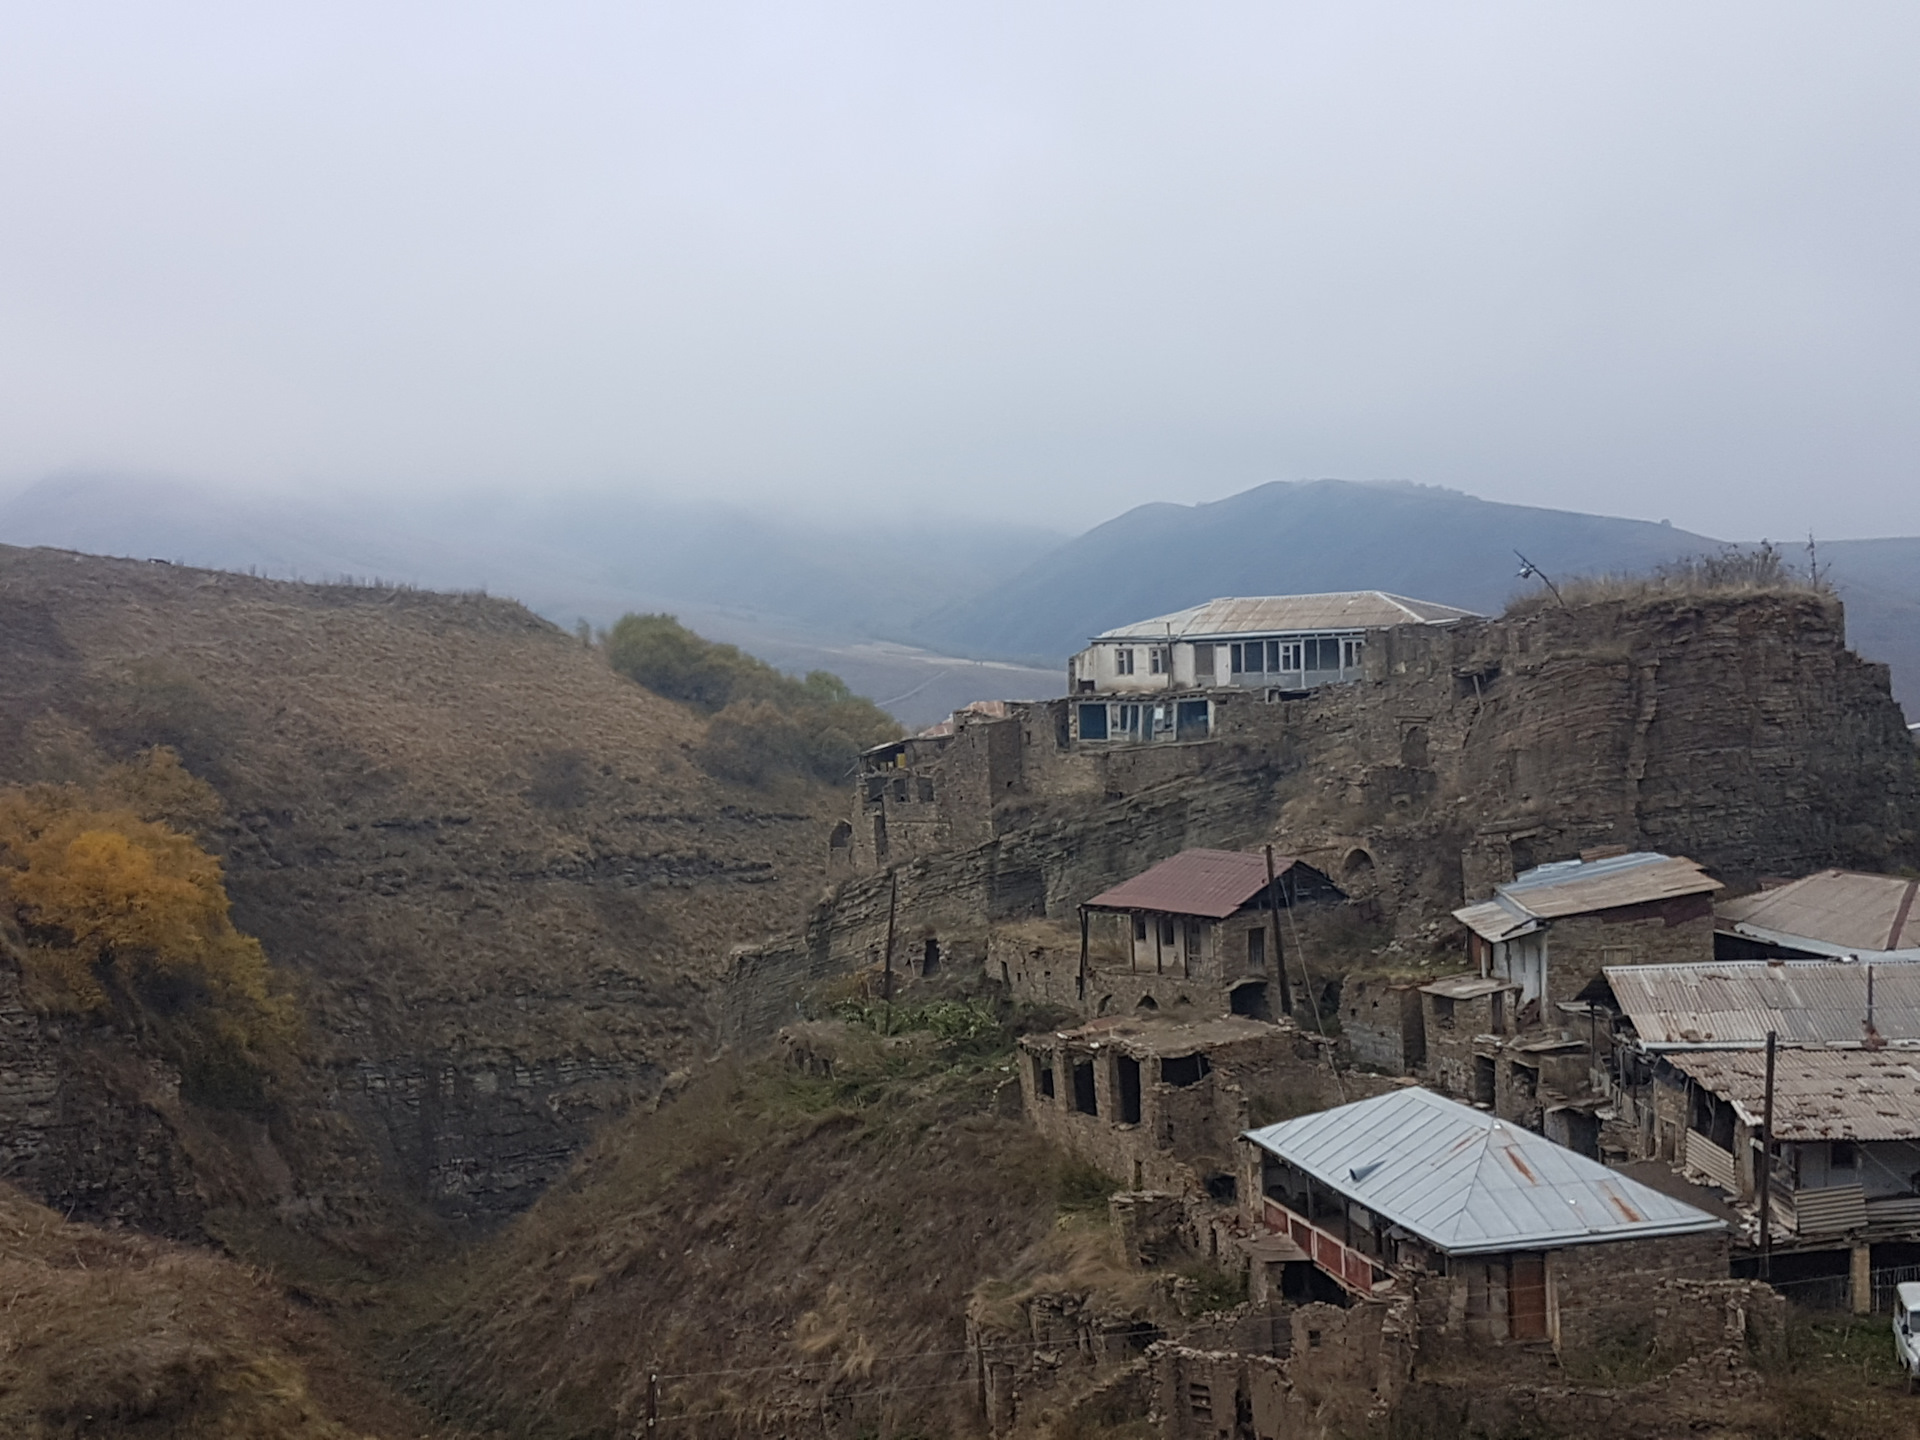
<point>1212,883</point>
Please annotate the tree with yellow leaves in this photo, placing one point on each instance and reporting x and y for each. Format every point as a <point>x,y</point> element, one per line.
<point>128,915</point>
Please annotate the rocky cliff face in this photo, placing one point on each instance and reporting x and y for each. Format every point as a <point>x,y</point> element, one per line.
<point>1738,730</point>
<point>500,883</point>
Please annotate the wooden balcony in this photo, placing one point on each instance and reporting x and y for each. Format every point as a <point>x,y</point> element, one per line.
<point>1358,1274</point>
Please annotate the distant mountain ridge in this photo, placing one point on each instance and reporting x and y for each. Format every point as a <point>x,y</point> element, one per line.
<point>890,603</point>
<point>1310,537</point>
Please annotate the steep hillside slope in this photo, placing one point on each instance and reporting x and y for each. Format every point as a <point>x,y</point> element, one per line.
<point>108,1334</point>
<point>801,595</point>
<point>497,875</point>
<point>790,1252</point>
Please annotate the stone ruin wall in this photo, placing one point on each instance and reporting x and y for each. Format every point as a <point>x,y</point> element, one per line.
<point>1737,730</point>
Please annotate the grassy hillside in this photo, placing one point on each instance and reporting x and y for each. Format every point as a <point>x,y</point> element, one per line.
<point>108,1334</point>
<point>774,1239</point>
<point>493,868</point>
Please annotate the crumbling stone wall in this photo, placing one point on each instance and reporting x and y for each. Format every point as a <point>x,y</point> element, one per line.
<point>1666,932</point>
<point>1381,1021</point>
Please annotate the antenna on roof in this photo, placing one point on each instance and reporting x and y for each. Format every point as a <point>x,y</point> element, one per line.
<point>1531,571</point>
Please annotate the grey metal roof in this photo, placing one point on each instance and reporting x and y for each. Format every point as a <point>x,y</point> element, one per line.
<point>1817,1094</point>
<point>1468,987</point>
<point>1580,887</point>
<point>1469,1184</point>
<point>1342,611</point>
<point>1732,1005</point>
<point>1833,912</point>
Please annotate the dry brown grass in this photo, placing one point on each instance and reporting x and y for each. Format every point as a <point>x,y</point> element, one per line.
<point>109,1334</point>
<point>770,1241</point>
<point>1731,572</point>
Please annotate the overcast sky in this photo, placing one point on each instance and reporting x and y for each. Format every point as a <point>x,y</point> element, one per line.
<point>1040,259</point>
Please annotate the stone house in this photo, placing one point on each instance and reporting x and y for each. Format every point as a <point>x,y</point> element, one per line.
<point>1200,926</point>
<point>1497,1233</point>
<point>1381,1022</point>
<point>1160,1104</point>
<point>1552,929</point>
<point>1288,642</point>
<point>1831,915</point>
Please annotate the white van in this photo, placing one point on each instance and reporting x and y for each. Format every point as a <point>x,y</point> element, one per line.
<point>1906,1329</point>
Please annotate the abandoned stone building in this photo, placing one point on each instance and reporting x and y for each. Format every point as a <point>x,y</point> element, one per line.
<point>1289,642</point>
<point>1498,1233</point>
<point>1201,927</point>
<point>1552,929</point>
<point>1834,914</point>
<point>1159,1104</point>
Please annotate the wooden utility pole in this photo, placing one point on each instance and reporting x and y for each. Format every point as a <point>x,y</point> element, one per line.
<point>1273,920</point>
<point>1766,1165</point>
<point>1081,982</point>
<point>886,961</point>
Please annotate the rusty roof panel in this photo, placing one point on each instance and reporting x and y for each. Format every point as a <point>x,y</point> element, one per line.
<point>1577,887</point>
<point>1471,1184</point>
<point>1346,610</point>
<point>1839,911</point>
<point>1208,883</point>
<point>1817,1094</point>
<point>1733,1004</point>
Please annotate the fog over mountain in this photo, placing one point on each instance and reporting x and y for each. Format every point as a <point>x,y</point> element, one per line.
<point>925,615</point>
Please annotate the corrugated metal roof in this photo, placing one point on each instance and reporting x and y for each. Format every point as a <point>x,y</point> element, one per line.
<point>1494,921</point>
<point>1839,911</point>
<point>1468,1183</point>
<point>1345,610</point>
<point>1731,1005</point>
<point>1468,987</point>
<point>1579,887</point>
<point>1817,1094</point>
<point>1209,883</point>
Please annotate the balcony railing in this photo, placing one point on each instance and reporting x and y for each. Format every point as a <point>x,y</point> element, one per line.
<point>1360,1274</point>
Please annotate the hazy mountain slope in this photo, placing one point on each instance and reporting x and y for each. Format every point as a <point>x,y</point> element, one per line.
<point>1283,539</point>
<point>1416,540</point>
<point>499,877</point>
<point>1880,582</point>
<point>801,595</point>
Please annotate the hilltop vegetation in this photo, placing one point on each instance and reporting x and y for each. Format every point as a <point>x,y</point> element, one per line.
<point>764,724</point>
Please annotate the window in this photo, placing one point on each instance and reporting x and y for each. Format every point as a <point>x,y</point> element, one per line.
<point>1139,926</point>
<point>1043,1075</point>
<point>1084,1099</point>
<point>900,789</point>
<point>1166,931</point>
<point>1157,661</point>
<point>1127,1073</point>
<point>1093,722</point>
<point>1443,1012</point>
<point>1841,1155</point>
<point>1322,654</point>
<point>924,787</point>
<point>1183,1070</point>
<point>1256,949</point>
<point>1289,656</point>
<point>1126,719</point>
<point>1123,662</point>
<point>1350,654</point>
<point>1203,663</point>
<point>1254,652</point>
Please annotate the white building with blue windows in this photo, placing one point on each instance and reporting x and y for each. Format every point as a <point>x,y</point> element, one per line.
<point>1287,642</point>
